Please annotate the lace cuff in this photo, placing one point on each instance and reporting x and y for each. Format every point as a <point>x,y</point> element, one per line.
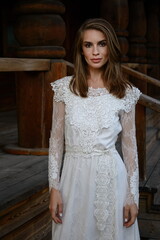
<point>129,150</point>
<point>56,144</point>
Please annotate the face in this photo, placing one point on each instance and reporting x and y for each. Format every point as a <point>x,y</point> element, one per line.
<point>94,48</point>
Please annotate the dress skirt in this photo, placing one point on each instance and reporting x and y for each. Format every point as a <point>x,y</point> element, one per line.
<point>79,188</point>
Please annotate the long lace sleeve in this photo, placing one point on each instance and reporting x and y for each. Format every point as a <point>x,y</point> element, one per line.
<point>129,151</point>
<point>56,144</point>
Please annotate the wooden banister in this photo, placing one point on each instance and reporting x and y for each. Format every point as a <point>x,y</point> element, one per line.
<point>24,64</point>
<point>150,102</point>
<point>140,76</point>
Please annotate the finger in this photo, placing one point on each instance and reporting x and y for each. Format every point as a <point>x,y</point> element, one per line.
<point>56,218</point>
<point>60,209</point>
<point>60,212</point>
<point>126,214</point>
<point>134,214</point>
<point>131,222</point>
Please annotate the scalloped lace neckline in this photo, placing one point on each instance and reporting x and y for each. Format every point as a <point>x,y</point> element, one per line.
<point>94,92</point>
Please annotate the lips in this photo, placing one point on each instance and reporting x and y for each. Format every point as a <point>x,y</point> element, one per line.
<point>96,60</point>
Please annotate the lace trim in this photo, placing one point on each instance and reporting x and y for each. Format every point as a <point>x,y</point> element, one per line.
<point>94,92</point>
<point>59,87</point>
<point>131,98</point>
<point>105,196</point>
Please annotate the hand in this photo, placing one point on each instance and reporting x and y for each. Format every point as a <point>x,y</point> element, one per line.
<point>130,215</point>
<point>56,206</point>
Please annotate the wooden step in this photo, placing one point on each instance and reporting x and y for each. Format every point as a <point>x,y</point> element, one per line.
<point>27,219</point>
<point>149,215</point>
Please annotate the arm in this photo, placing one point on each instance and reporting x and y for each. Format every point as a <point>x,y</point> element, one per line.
<point>56,147</point>
<point>129,150</point>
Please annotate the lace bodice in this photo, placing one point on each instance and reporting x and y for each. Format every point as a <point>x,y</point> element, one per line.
<point>91,125</point>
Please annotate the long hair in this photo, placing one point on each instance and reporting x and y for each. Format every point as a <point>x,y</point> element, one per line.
<point>112,75</point>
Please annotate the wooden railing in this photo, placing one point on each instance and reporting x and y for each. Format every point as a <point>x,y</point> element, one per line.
<point>144,99</point>
<point>24,64</point>
<point>140,76</point>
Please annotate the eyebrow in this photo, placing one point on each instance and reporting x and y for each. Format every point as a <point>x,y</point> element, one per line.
<point>104,40</point>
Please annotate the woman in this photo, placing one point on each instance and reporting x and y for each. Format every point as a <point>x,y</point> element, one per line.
<point>96,197</point>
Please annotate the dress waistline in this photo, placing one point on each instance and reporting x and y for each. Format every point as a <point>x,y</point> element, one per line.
<point>78,151</point>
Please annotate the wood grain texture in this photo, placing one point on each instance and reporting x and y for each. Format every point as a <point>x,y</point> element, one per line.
<point>24,192</point>
<point>140,75</point>
<point>23,64</point>
<point>27,219</point>
<point>150,102</point>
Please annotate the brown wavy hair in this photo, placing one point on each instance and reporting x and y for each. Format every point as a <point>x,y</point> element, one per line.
<point>113,77</point>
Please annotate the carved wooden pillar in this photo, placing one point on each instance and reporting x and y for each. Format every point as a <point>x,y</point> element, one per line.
<point>39,28</point>
<point>137,32</point>
<point>153,38</point>
<point>116,12</point>
<point>40,32</point>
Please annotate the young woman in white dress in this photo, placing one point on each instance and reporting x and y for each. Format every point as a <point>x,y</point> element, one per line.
<point>93,191</point>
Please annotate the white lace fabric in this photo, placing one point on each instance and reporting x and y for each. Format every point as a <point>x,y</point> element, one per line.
<point>91,126</point>
<point>129,150</point>
<point>56,144</point>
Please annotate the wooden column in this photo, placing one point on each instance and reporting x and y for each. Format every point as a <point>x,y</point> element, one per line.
<point>116,12</point>
<point>137,32</point>
<point>153,38</point>
<point>39,29</point>
<point>34,102</point>
<point>40,32</point>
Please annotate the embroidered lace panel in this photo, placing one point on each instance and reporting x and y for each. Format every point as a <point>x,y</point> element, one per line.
<point>105,196</point>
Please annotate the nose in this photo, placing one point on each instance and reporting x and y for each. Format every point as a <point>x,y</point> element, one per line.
<point>95,50</point>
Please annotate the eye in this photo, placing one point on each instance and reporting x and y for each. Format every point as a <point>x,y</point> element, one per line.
<point>87,44</point>
<point>102,43</point>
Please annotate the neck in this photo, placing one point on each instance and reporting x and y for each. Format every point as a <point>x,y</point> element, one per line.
<point>95,80</point>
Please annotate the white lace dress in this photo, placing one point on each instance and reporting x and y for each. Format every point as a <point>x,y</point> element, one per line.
<point>95,182</point>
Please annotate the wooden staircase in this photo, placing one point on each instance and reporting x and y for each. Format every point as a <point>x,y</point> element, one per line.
<point>149,215</point>
<point>149,159</point>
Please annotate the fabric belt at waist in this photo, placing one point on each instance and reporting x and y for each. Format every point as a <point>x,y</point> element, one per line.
<point>77,151</point>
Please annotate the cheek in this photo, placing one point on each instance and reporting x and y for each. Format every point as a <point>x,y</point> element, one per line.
<point>86,59</point>
<point>106,52</point>
<point>86,55</point>
<point>106,55</point>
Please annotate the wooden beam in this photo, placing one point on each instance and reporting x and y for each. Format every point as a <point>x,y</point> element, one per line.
<point>140,76</point>
<point>24,64</point>
<point>150,102</point>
